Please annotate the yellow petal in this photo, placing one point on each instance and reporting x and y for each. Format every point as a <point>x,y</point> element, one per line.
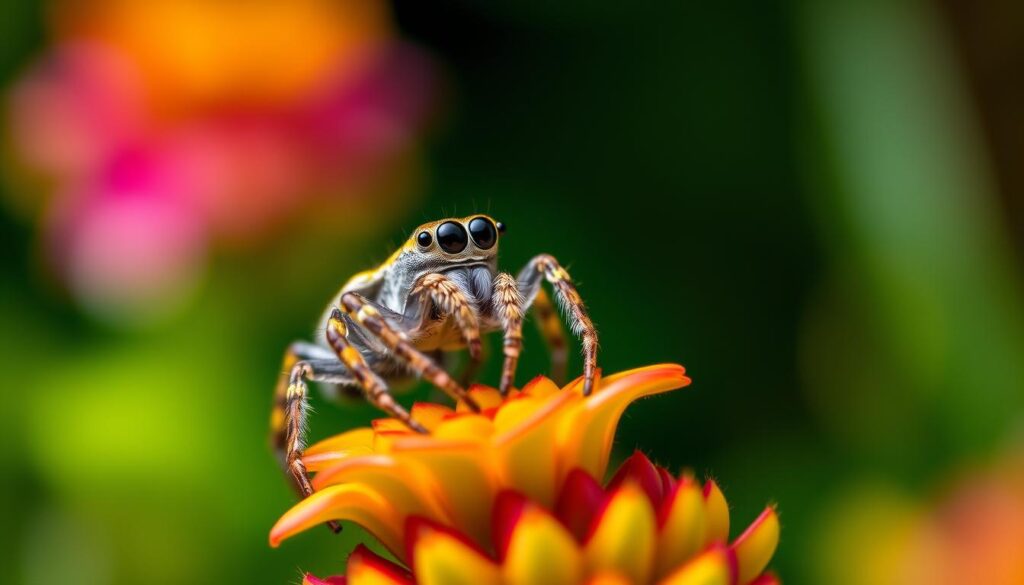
<point>624,537</point>
<point>485,397</point>
<point>541,550</point>
<point>409,490</point>
<point>755,547</point>
<point>540,387</point>
<point>525,458</point>
<point>717,513</point>
<point>366,568</point>
<point>683,527</point>
<point>442,559</point>
<point>470,427</point>
<point>710,568</point>
<point>586,432</point>
<point>387,425</point>
<point>429,414</point>
<point>515,411</point>
<point>329,451</point>
<point>354,502</point>
<point>464,477</point>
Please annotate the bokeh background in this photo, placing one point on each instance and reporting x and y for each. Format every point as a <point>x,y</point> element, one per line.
<point>817,207</point>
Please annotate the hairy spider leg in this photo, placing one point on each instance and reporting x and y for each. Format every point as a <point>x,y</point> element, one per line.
<point>545,266</point>
<point>507,304</point>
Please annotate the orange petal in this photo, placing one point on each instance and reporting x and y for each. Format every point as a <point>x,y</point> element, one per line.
<point>623,536</point>
<point>609,578</point>
<point>682,526</point>
<point>331,450</point>
<point>710,568</point>
<point>384,425</point>
<point>430,414</point>
<point>409,490</point>
<point>485,397</point>
<point>755,547</point>
<point>540,387</point>
<point>514,411</point>
<point>365,567</point>
<point>525,458</point>
<point>586,432</point>
<point>541,550</point>
<point>717,512</point>
<point>464,476</point>
<point>441,558</point>
<point>469,427</point>
<point>355,502</point>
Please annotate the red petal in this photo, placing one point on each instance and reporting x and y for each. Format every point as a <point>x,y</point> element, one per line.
<point>640,469</point>
<point>579,500</point>
<point>508,509</point>
<point>668,483</point>
<point>766,579</point>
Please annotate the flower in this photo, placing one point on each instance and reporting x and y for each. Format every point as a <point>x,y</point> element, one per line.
<point>969,532</point>
<point>512,495</point>
<point>177,126</point>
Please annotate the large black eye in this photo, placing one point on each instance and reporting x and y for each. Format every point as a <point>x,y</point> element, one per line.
<point>424,239</point>
<point>452,237</point>
<point>483,232</point>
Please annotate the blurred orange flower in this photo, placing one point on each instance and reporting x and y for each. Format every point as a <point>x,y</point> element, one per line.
<point>157,128</point>
<point>511,495</point>
<point>972,534</point>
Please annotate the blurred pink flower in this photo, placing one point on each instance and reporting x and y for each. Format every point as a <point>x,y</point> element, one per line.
<point>159,128</point>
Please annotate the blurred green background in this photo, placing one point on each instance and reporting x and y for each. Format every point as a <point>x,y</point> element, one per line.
<point>815,206</point>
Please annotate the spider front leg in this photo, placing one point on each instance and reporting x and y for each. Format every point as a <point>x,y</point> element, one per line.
<point>507,304</point>
<point>291,410</point>
<point>367,314</point>
<point>375,390</point>
<point>545,266</point>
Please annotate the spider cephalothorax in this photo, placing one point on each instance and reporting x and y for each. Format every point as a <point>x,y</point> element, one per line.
<point>439,292</point>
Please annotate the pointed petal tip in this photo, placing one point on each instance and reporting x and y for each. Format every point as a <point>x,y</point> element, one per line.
<point>640,470</point>
<point>756,546</point>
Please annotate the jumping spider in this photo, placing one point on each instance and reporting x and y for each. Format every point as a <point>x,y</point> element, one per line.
<point>437,293</point>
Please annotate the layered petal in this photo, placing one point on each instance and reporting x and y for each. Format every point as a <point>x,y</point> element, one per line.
<point>586,432</point>
<point>682,525</point>
<point>541,550</point>
<point>510,495</point>
<point>623,536</point>
<point>441,557</point>
<point>355,502</point>
<point>713,567</point>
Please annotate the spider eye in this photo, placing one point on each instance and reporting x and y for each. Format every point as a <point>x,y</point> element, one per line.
<point>483,233</point>
<point>424,239</point>
<point>452,237</point>
<point>501,227</point>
